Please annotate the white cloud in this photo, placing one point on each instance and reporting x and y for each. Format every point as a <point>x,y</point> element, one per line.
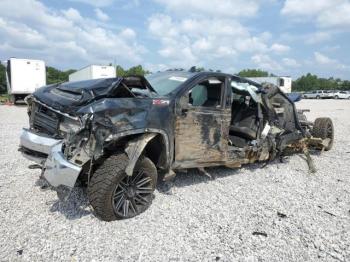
<point>279,48</point>
<point>97,3</point>
<point>307,8</point>
<point>128,33</point>
<point>265,62</point>
<point>290,62</point>
<point>125,4</point>
<point>218,8</point>
<point>331,48</point>
<point>192,40</point>
<point>338,16</point>
<point>319,37</point>
<point>18,32</point>
<point>323,59</point>
<point>72,14</point>
<point>325,13</point>
<point>57,36</point>
<point>311,38</point>
<point>101,15</point>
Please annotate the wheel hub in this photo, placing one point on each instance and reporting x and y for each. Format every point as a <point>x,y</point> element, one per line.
<point>131,192</point>
<point>131,195</point>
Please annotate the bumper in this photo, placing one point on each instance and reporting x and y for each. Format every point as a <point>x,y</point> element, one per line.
<point>58,171</point>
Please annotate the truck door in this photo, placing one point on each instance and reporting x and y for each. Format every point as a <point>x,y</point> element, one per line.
<point>202,123</point>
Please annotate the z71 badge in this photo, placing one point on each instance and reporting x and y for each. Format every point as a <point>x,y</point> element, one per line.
<point>161,102</point>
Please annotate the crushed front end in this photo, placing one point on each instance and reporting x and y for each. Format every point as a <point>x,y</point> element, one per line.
<point>45,143</point>
<point>70,123</point>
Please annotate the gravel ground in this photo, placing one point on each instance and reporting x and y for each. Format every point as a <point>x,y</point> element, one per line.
<point>296,216</point>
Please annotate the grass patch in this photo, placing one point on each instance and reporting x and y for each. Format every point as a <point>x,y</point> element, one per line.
<point>4,98</point>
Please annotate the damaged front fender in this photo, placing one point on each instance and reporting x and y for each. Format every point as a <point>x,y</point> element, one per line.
<point>134,150</point>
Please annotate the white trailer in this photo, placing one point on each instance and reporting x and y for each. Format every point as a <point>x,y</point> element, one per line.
<point>93,72</point>
<point>283,82</point>
<point>24,76</point>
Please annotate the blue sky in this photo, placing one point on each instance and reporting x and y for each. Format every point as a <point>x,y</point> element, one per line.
<point>285,37</point>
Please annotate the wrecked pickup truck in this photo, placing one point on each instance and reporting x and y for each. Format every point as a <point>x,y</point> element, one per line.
<point>120,135</point>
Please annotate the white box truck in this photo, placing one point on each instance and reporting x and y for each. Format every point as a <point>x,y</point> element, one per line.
<point>24,76</point>
<point>93,72</point>
<point>283,82</point>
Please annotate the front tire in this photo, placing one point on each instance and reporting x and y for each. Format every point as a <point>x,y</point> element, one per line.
<point>336,97</point>
<point>323,128</point>
<point>115,195</point>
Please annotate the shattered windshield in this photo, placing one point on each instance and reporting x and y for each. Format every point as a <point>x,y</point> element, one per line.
<point>166,82</point>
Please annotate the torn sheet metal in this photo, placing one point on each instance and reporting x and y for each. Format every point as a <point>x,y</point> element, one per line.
<point>134,150</point>
<point>252,90</point>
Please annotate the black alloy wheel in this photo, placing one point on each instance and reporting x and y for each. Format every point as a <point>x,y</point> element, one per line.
<point>133,194</point>
<point>115,195</point>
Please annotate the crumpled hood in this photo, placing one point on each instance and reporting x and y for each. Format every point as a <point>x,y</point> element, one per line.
<point>69,96</point>
<point>122,114</point>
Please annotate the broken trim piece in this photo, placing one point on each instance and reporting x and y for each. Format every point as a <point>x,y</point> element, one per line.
<point>169,147</point>
<point>134,150</point>
<point>252,90</point>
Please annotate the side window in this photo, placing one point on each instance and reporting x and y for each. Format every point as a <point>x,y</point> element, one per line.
<point>207,93</point>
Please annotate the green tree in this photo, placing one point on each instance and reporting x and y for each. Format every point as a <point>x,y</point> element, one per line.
<point>345,85</point>
<point>254,73</point>
<point>311,82</point>
<point>3,86</point>
<point>54,75</point>
<point>135,71</point>
<point>120,71</point>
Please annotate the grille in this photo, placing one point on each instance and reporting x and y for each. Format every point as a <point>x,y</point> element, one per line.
<point>45,120</point>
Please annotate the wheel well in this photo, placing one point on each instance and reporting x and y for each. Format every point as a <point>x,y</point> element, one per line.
<point>156,151</point>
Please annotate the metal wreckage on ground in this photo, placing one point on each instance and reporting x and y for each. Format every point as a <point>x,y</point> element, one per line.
<point>119,136</point>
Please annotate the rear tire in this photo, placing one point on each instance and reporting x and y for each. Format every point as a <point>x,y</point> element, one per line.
<point>115,195</point>
<point>336,97</point>
<point>323,128</point>
<point>318,97</point>
<point>301,117</point>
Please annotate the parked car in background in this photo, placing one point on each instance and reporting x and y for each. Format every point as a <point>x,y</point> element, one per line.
<point>330,93</point>
<point>341,94</point>
<point>318,94</point>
